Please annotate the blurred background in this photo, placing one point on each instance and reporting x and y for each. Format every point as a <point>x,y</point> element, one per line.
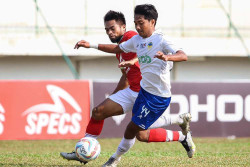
<point>37,39</point>
<point>35,34</point>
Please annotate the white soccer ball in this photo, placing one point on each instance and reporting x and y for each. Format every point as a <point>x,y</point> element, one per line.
<point>87,149</point>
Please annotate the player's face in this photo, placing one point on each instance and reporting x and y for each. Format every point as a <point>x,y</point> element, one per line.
<point>144,27</point>
<point>114,30</point>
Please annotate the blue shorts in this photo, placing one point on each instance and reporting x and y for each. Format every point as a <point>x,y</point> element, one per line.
<point>148,108</point>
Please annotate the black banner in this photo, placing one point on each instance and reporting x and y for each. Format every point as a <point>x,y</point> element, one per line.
<point>217,109</point>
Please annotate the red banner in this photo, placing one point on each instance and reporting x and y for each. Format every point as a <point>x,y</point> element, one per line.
<point>43,109</point>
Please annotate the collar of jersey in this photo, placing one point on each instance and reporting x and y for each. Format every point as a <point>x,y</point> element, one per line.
<point>158,32</point>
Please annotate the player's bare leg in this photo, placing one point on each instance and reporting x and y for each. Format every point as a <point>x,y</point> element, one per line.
<point>104,110</point>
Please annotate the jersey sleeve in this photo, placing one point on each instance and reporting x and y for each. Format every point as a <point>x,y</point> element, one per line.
<point>169,47</point>
<point>128,46</point>
<point>128,35</point>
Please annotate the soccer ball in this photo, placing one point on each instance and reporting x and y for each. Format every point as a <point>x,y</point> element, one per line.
<point>87,149</point>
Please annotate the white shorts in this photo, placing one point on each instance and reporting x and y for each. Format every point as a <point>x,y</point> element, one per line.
<point>126,98</point>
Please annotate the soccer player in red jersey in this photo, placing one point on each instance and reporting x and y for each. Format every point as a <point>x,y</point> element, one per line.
<point>123,97</point>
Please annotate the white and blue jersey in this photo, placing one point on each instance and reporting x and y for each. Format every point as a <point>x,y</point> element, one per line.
<point>155,75</point>
<point>155,72</point>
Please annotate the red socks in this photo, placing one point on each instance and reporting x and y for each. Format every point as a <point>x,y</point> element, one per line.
<point>163,135</point>
<point>95,127</point>
<point>157,135</point>
<point>175,136</point>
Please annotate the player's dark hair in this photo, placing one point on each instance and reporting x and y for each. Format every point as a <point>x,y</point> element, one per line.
<point>148,11</point>
<point>117,16</point>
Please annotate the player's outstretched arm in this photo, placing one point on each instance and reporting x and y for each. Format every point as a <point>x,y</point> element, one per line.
<point>178,56</point>
<point>109,48</point>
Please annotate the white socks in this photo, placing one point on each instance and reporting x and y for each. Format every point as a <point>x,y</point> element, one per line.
<point>181,137</point>
<point>176,120</point>
<point>123,147</point>
<point>89,135</point>
<point>166,120</point>
<point>162,121</point>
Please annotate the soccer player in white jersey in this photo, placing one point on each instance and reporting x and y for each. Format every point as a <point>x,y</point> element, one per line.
<point>154,52</point>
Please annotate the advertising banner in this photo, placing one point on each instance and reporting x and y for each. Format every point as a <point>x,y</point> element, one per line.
<point>217,109</point>
<point>43,109</point>
<point>60,109</point>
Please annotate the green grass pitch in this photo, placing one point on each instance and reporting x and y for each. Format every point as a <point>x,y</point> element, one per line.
<point>210,152</point>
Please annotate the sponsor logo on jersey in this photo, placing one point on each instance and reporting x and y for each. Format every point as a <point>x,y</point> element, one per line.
<point>144,59</point>
<point>143,45</point>
<point>53,118</point>
<point>150,44</point>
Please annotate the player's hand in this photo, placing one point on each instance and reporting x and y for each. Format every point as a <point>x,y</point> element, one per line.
<point>125,64</point>
<point>82,43</point>
<point>128,63</point>
<point>160,55</point>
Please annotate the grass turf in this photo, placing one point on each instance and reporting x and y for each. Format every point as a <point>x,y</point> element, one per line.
<point>210,152</point>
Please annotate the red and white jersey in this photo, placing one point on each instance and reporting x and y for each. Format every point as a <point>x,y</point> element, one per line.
<point>133,72</point>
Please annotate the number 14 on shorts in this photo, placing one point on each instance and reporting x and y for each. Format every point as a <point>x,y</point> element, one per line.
<point>144,112</point>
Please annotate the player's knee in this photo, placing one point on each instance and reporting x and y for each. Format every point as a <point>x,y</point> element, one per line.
<point>142,136</point>
<point>97,114</point>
